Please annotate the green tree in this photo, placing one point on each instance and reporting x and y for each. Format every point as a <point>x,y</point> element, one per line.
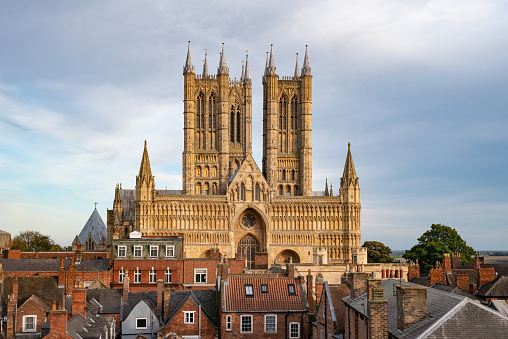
<point>436,241</point>
<point>378,252</point>
<point>34,241</point>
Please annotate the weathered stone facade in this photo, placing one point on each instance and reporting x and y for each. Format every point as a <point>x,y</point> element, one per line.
<point>227,203</point>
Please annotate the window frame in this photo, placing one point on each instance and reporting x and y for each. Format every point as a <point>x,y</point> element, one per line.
<point>168,273</point>
<point>121,275</point>
<point>274,324</point>
<point>136,248</point>
<point>152,276</point>
<point>152,248</point>
<point>291,336</point>
<point>264,288</point>
<point>121,248</point>
<point>188,317</point>
<point>140,327</point>
<point>229,323</point>
<point>34,323</point>
<point>172,248</point>
<point>246,316</point>
<point>200,271</point>
<point>137,276</point>
<point>249,290</point>
<point>291,289</point>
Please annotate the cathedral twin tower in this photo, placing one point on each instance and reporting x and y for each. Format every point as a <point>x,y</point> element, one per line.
<point>227,202</point>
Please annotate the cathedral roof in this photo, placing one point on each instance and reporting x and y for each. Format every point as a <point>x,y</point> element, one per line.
<point>94,227</point>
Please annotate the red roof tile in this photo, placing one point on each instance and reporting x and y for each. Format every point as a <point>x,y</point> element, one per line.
<point>277,298</point>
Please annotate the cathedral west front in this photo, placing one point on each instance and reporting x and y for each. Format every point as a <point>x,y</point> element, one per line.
<point>227,202</point>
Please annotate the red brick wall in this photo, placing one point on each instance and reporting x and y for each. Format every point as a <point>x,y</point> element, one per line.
<point>178,326</point>
<point>462,281</point>
<point>30,307</point>
<point>378,315</point>
<point>411,305</point>
<point>58,325</point>
<point>413,272</point>
<point>486,275</point>
<point>258,328</point>
<point>324,323</point>
<point>436,276</point>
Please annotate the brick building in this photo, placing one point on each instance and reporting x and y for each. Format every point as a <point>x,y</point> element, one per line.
<point>330,312</point>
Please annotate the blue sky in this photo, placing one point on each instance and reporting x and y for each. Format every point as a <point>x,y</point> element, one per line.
<point>419,88</point>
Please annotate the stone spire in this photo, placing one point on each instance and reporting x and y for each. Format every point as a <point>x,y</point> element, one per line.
<point>349,169</point>
<point>270,69</point>
<point>349,184</point>
<point>205,67</point>
<point>118,205</point>
<point>144,168</point>
<point>297,69</point>
<point>243,73</point>
<point>266,65</point>
<point>331,190</point>
<point>223,67</point>
<point>145,185</point>
<point>306,66</point>
<point>189,67</point>
<point>326,188</point>
<point>246,78</point>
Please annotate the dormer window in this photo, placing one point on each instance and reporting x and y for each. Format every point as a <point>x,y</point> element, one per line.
<point>264,288</point>
<point>291,289</point>
<point>249,291</point>
<point>122,250</point>
<point>138,251</point>
<point>154,251</point>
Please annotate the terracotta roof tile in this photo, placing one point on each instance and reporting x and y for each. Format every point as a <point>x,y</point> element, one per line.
<point>276,299</point>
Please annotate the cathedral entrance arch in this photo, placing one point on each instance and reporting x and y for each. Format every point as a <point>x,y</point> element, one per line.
<point>287,256</point>
<point>248,246</point>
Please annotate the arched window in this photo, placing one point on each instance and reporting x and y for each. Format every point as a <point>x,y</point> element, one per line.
<point>206,189</point>
<point>214,188</point>
<point>296,190</point>
<point>238,125</point>
<point>214,171</point>
<point>248,246</point>
<point>212,122</point>
<point>294,105</point>
<point>280,190</point>
<point>198,188</point>
<point>198,171</point>
<point>206,171</point>
<point>200,120</point>
<point>256,192</point>
<point>232,124</point>
<point>242,192</point>
<point>288,191</point>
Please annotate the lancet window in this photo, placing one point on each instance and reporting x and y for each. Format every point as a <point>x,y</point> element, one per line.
<point>200,121</point>
<point>248,246</point>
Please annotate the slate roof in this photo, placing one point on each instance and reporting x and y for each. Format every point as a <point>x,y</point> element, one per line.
<point>150,297</point>
<point>93,265</point>
<point>128,196</point>
<point>33,265</point>
<point>110,299</point>
<point>455,290</point>
<point>497,288</point>
<point>449,316</point>
<point>501,306</point>
<point>276,300</point>
<point>206,298</point>
<point>44,287</point>
<point>94,227</point>
<point>473,276</point>
<point>423,281</point>
<point>91,326</point>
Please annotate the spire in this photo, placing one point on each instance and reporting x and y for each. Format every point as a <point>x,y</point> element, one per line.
<point>246,78</point>
<point>223,67</point>
<point>306,66</point>
<point>145,168</point>
<point>297,69</point>
<point>331,190</point>
<point>266,65</point>
<point>270,69</point>
<point>205,67</point>
<point>326,188</point>
<point>189,67</point>
<point>349,176</point>
<point>243,73</point>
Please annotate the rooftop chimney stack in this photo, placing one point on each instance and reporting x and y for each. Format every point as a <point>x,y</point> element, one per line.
<point>411,305</point>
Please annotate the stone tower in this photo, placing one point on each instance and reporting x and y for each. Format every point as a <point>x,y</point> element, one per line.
<point>287,126</point>
<point>217,126</point>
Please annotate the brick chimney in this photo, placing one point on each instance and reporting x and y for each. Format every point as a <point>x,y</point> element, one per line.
<point>224,273</point>
<point>167,297</point>
<point>61,275</point>
<point>79,254</point>
<point>160,291</point>
<point>58,324</point>
<point>15,287</point>
<point>462,280</point>
<point>456,260</point>
<point>411,305</point>
<point>413,271</point>
<point>125,289</point>
<point>447,263</point>
<point>261,260</point>
<point>478,261</point>
<point>310,292</point>
<point>378,314</point>
<point>12,302</point>
<point>358,283</point>
<point>79,301</point>
<point>437,276</point>
<point>371,283</point>
<point>71,278</point>
<point>486,275</point>
<point>290,268</point>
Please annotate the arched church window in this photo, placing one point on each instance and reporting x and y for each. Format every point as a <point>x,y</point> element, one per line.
<point>232,124</point>
<point>284,175</point>
<point>242,192</point>
<point>296,190</point>
<point>280,190</point>
<point>294,105</point>
<point>214,188</point>
<point>238,124</point>
<point>248,246</point>
<point>198,171</point>
<point>206,171</point>
<point>256,192</point>
<point>214,171</point>
<point>206,189</point>
<point>198,188</point>
<point>288,191</point>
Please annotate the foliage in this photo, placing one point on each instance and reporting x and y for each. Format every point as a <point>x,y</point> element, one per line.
<point>34,241</point>
<point>436,241</point>
<point>377,252</point>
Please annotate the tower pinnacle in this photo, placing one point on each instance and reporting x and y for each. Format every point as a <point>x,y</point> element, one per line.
<point>189,67</point>
<point>205,67</point>
<point>297,69</point>
<point>306,65</point>
<point>223,67</point>
<point>246,78</point>
<point>270,69</point>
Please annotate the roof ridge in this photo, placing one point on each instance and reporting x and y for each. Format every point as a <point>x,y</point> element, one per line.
<point>443,319</point>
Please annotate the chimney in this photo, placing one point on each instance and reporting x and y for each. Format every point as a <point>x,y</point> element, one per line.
<point>71,278</point>
<point>58,324</point>
<point>79,254</point>
<point>15,287</point>
<point>456,260</point>
<point>411,305</point>
<point>436,276</point>
<point>290,268</point>
<point>462,281</point>
<point>61,275</point>
<point>358,283</point>
<point>12,302</point>
<point>486,275</point>
<point>79,301</point>
<point>413,271</point>
<point>478,261</point>
<point>371,283</point>
<point>125,289</point>
<point>310,294</point>
<point>224,274</point>
<point>447,263</point>
<point>160,291</point>
<point>167,297</point>
<point>378,314</point>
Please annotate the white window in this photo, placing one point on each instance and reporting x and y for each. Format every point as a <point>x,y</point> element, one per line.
<point>87,284</point>
<point>246,324</point>
<point>29,323</point>
<point>154,251</point>
<point>188,317</point>
<point>168,275</point>
<point>264,288</point>
<point>321,335</point>
<point>229,323</point>
<point>270,323</point>
<point>153,276</point>
<point>138,251</point>
<point>141,323</point>
<point>122,251</point>
<point>137,275</point>
<point>294,330</point>
<point>121,275</point>
<point>249,291</point>
<point>200,275</point>
<point>291,289</point>
<point>170,251</point>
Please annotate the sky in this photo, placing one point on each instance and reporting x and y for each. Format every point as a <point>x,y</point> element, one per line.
<point>419,88</point>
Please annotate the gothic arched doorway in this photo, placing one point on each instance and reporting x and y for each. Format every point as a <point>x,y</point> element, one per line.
<point>248,246</point>
<point>287,256</point>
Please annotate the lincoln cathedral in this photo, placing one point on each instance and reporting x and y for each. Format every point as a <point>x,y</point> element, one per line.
<point>228,204</point>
